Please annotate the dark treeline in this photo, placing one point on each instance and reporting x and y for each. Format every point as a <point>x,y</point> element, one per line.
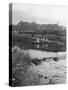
<point>38,28</point>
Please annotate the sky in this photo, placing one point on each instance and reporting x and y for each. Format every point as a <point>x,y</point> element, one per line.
<point>42,14</point>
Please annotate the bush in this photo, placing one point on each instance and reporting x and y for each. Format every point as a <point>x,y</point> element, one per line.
<point>21,76</point>
<point>20,65</point>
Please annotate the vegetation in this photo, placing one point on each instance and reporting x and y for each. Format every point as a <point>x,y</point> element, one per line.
<point>21,76</point>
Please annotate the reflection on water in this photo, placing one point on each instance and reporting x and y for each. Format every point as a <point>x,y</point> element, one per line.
<point>42,46</point>
<point>45,47</point>
<point>25,43</point>
<point>38,46</point>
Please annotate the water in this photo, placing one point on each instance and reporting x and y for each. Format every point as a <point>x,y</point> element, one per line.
<point>27,43</point>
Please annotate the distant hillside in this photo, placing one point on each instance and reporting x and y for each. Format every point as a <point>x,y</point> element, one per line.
<point>39,28</point>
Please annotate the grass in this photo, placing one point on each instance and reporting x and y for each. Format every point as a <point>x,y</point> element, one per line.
<point>21,76</point>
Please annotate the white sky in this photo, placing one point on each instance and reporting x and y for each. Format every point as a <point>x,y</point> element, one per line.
<point>43,14</point>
